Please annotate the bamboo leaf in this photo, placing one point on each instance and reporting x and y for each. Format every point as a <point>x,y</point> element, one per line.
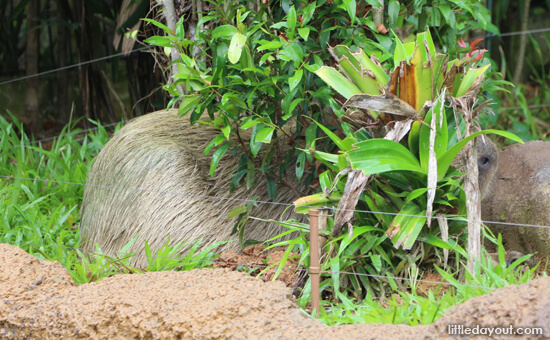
<point>393,12</point>
<point>159,41</point>
<point>159,25</point>
<point>300,165</point>
<point>224,31</point>
<point>291,22</point>
<point>328,159</point>
<point>269,45</point>
<point>271,187</point>
<point>236,211</point>
<point>218,154</point>
<point>295,79</point>
<point>343,146</point>
<point>250,123</point>
<point>264,135</point>
<point>236,47</point>
<point>304,32</point>
<point>189,103</point>
<point>351,8</point>
<point>255,145</point>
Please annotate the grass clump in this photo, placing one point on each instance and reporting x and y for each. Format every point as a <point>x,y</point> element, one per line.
<point>41,189</point>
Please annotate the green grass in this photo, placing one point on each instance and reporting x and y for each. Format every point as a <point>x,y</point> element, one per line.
<point>41,193</point>
<point>399,300</point>
<point>419,308</point>
<point>40,202</point>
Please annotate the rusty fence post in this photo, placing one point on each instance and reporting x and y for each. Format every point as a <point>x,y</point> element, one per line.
<point>317,219</point>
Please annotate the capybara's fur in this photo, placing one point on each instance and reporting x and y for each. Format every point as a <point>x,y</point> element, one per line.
<point>152,179</point>
<point>521,194</point>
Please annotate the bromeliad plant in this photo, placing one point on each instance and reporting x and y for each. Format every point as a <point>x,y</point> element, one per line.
<point>253,67</point>
<point>417,94</point>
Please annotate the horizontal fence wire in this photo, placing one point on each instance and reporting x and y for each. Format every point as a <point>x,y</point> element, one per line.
<point>510,34</point>
<point>245,200</point>
<point>530,107</point>
<point>254,265</point>
<point>260,202</point>
<point>72,133</point>
<point>117,55</point>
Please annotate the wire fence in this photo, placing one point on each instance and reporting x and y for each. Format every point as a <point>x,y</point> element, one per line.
<point>286,204</point>
<point>254,265</point>
<point>74,133</point>
<point>118,55</point>
<point>510,34</point>
<point>257,265</point>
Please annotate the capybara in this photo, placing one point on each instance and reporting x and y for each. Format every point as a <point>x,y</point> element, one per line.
<point>520,193</point>
<point>152,179</point>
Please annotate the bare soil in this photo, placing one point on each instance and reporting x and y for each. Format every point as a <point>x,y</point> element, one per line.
<point>39,300</point>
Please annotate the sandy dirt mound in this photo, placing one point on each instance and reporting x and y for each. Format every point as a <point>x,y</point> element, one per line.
<point>38,300</point>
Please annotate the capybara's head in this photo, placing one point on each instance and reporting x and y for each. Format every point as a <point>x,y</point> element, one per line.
<point>487,163</point>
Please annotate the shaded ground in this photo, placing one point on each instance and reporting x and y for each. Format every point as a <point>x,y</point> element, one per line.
<point>254,260</point>
<point>39,300</point>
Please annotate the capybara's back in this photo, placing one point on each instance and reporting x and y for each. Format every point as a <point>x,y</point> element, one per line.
<point>152,179</point>
<point>521,194</point>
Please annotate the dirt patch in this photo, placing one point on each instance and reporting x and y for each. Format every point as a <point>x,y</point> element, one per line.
<point>255,260</point>
<point>38,300</point>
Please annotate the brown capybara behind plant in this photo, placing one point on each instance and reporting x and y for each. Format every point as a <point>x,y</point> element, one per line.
<point>152,179</point>
<point>520,193</point>
<point>487,163</point>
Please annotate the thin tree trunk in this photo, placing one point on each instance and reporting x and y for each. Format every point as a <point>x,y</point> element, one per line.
<point>171,19</point>
<point>522,42</point>
<point>62,53</point>
<point>31,56</point>
<point>83,55</point>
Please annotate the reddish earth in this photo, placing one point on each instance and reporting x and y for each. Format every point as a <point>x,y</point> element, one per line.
<point>254,260</point>
<point>39,300</point>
